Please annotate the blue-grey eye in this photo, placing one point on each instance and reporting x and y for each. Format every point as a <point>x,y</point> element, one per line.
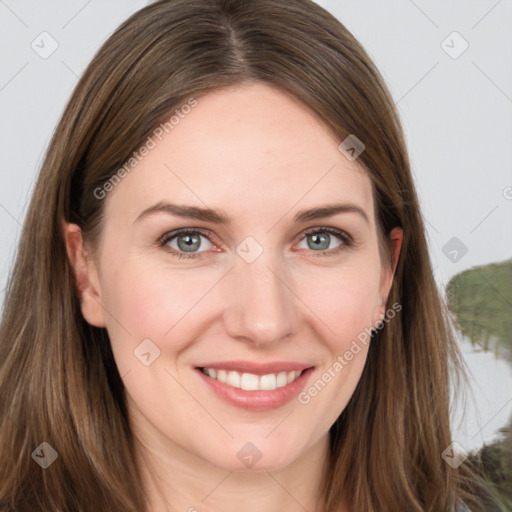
<point>321,241</point>
<point>188,242</point>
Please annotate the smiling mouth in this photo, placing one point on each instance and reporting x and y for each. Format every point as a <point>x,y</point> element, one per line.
<point>251,381</point>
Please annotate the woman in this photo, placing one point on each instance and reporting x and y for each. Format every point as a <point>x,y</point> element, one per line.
<point>222,297</point>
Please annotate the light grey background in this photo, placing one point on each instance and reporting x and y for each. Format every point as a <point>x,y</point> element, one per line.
<point>456,112</point>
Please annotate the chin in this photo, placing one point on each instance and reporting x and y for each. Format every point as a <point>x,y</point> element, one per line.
<point>253,456</point>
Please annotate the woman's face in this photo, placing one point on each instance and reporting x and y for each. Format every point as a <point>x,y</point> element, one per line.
<point>265,284</point>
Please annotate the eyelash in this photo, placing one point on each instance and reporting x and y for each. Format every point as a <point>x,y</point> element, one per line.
<point>346,239</point>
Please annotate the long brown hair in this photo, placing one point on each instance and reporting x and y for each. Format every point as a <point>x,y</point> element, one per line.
<point>59,382</point>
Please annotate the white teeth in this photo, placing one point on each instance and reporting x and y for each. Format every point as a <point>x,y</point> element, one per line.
<point>252,382</point>
<point>233,379</point>
<point>249,382</point>
<point>282,379</point>
<point>268,382</point>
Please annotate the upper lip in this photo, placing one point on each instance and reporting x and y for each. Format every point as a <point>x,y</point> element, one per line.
<point>257,368</point>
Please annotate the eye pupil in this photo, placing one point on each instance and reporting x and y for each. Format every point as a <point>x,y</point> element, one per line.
<point>191,242</point>
<point>320,241</point>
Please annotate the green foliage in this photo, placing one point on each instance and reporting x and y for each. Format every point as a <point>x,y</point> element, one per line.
<point>495,464</point>
<point>481,300</point>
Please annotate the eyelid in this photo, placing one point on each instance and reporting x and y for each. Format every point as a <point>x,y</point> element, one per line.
<point>347,241</point>
<point>166,237</point>
<point>325,229</point>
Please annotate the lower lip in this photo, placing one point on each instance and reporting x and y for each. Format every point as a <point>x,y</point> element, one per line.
<point>257,400</point>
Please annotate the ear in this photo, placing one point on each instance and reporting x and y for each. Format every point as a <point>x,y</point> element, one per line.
<point>86,275</point>
<point>388,273</point>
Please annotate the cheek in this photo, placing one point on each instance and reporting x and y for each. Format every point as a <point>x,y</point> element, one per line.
<point>147,300</point>
<point>136,296</point>
<point>345,302</point>
<point>344,299</point>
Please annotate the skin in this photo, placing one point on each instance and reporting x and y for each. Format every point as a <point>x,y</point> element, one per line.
<point>260,156</point>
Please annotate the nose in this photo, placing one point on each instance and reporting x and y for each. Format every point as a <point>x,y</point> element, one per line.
<point>261,307</point>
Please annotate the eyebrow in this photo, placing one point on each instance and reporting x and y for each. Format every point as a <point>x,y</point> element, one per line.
<point>221,218</point>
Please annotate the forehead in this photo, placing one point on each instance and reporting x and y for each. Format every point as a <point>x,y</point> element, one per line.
<point>243,148</point>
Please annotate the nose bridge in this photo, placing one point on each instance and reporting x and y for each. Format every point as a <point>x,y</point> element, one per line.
<point>261,307</point>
